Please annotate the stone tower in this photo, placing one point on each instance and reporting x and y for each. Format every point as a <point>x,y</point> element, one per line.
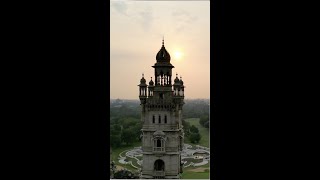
<point>162,133</point>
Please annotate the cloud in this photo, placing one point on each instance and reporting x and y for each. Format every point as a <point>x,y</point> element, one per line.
<point>146,19</point>
<point>143,17</point>
<point>183,19</point>
<point>120,6</point>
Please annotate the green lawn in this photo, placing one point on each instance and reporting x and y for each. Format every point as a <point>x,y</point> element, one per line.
<point>134,162</point>
<point>117,151</point>
<point>204,132</point>
<point>193,160</point>
<point>195,175</point>
<point>187,174</point>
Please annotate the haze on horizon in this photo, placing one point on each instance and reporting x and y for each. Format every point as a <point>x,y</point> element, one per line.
<point>136,32</point>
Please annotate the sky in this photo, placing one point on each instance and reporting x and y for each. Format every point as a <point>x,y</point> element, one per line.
<point>136,32</point>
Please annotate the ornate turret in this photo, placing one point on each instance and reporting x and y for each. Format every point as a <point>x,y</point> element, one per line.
<point>181,87</point>
<point>142,89</point>
<point>176,86</point>
<point>151,88</point>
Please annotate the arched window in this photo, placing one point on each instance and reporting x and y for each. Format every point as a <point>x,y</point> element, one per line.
<point>159,119</point>
<point>158,143</point>
<point>165,119</point>
<point>153,119</point>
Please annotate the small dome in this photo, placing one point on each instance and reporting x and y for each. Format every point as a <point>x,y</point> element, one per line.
<point>163,55</point>
<point>181,82</point>
<point>143,81</point>
<point>151,82</point>
<point>176,80</point>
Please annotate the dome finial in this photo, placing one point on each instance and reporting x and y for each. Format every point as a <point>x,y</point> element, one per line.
<point>142,74</point>
<point>177,74</point>
<point>163,40</point>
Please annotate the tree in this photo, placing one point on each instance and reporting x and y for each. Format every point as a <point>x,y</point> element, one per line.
<point>194,137</point>
<point>115,140</point>
<point>125,174</point>
<point>194,129</point>
<point>206,124</point>
<point>128,136</point>
<point>186,127</point>
<point>117,127</point>
<point>203,120</point>
<point>128,122</point>
<point>137,130</point>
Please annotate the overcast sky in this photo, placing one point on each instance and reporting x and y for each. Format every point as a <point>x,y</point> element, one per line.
<point>137,29</point>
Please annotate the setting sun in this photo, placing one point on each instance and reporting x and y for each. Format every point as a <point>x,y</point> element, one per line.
<point>177,55</point>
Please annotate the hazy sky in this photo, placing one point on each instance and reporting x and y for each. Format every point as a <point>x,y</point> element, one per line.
<point>137,29</point>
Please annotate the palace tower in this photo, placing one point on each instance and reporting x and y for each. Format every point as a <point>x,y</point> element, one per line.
<point>162,130</point>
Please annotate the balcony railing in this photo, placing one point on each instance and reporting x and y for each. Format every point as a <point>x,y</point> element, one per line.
<point>158,149</point>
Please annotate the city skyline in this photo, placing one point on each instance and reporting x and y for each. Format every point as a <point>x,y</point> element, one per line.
<point>137,31</point>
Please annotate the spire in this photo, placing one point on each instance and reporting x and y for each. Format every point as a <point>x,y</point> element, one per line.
<point>163,55</point>
<point>162,40</point>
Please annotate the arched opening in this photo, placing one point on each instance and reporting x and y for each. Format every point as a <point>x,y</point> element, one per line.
<point>158,143</point>
<point>159,165</point>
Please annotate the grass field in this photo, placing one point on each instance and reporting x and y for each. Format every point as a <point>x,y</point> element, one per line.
<point>204,132</point>
<point>188,172</point>
<point>117,151</point>
<point>195,175</point>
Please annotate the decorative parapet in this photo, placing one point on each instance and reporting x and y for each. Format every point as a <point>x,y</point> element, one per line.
<point>159,104</point>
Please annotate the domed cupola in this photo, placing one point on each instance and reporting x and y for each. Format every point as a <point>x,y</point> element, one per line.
<point>151,83</point>
<point>176,80</point>
<point>163,55</point>
<point>181,82</point>
<point>142,81</point>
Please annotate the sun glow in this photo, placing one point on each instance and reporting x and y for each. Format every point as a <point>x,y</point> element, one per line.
<point>177,55</point>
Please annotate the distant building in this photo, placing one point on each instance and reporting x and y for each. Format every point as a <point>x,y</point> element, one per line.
<point>162,131</point>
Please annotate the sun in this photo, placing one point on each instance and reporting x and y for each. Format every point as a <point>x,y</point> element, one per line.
<point>177,55</point>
